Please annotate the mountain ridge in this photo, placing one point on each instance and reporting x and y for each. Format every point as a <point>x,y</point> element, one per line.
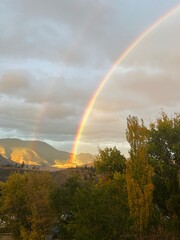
<point>34,152</point>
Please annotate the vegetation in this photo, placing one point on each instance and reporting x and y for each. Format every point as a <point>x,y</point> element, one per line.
<point>109,161</point>
<point>139,175</point>
<point>134,198</point>
<point>25,203</point>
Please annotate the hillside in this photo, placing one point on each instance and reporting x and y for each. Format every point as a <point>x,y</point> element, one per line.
<point>5,161</point>
<point>36,153</point>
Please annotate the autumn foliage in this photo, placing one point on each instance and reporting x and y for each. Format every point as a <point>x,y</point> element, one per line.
<point>139,174</point>
<point>137,197</point>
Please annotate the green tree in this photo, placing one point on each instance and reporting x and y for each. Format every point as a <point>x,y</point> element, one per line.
<point>164,139</point>
<point>109,161</point>
<point>164,156</point>
<point>101,211</point>
<point>98,211</point>
<point>63,201</point>
<point>138,175</point>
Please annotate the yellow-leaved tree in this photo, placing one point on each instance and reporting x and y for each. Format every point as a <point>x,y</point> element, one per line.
<point>139,175</point>
<point>25,202</point>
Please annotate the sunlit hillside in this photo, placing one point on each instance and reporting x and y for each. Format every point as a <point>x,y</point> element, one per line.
<point>38,153</point>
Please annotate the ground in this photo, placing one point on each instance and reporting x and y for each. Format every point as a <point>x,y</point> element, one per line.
<point>6,237</point>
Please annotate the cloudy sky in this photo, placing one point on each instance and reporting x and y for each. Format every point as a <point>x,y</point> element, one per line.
<point>55,53</point>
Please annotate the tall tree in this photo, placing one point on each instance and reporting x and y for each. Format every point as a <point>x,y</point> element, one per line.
<point>164,155</point>
<point>138,175</point>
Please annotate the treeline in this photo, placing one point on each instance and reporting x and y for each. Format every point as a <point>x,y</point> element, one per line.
<point>19,166</point>
<point>134,198</point>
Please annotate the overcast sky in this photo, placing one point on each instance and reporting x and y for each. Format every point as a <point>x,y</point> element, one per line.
<point>55,53</point>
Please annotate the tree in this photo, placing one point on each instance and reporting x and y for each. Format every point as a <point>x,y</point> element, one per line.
<point>22,165</point>
<point>138,175</point>
<point>26,203</point>
<point>98,210</point>
<point>63,201</point>
<point>164,156</point>
<point>13,203</point>
<point>101,211</point>
<point>38,189</point>
<point>109,161</point>
<point>164,139</point>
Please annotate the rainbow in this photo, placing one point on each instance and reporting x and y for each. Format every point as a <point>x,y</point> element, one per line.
<point>91,103</point>
<point>40,115</point>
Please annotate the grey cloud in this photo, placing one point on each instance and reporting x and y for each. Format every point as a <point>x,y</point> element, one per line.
<point>139,89</point>
<point>35,121</point>
<point>23,85</point>
<point>13,82</point>
<point>41,109</point>
<point>164,40</point>
<point>55,53</point>
<point>74,32</point>
<point>57,92</point>
<point>52,30</point>
<point>160,89</point>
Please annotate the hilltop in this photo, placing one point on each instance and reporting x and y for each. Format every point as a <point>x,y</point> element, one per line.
<point>16,151</point>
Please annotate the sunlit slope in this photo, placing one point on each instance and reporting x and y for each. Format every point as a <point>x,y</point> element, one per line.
<point>36,153</point>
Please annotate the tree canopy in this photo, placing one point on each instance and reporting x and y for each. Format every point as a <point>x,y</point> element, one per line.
<point>26,203</point>
<point>134,198</point>
<point>109,161</point>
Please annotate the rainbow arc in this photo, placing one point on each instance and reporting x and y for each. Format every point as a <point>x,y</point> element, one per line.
<point>122,57</point>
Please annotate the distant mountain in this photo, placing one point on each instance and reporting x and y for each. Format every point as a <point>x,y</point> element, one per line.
<point>85,158</point>
<point>36,153</point>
